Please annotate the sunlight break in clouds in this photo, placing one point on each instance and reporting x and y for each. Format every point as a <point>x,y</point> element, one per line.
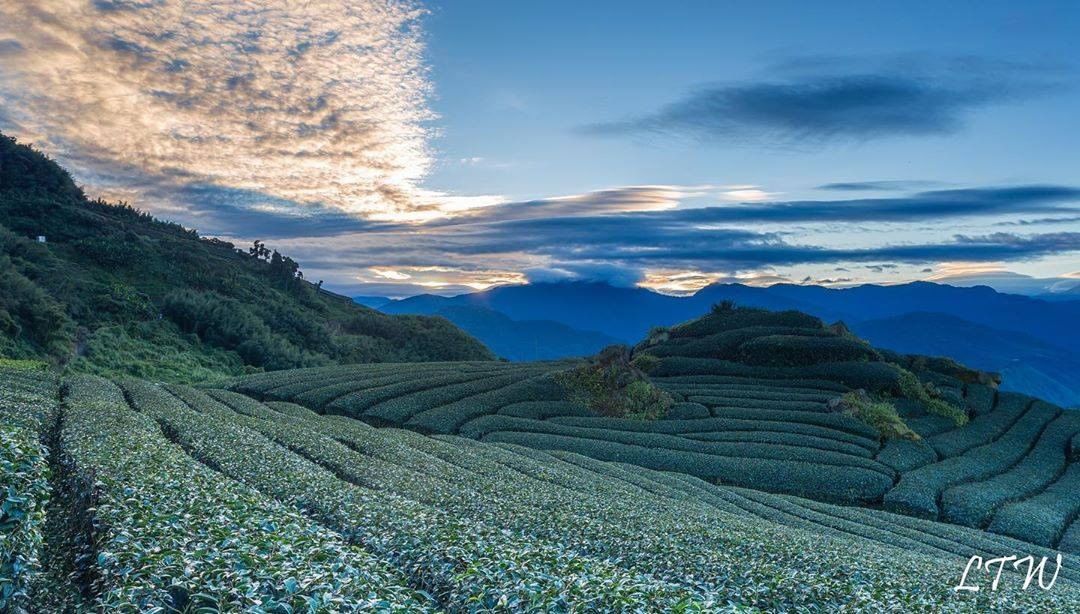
<point>319,103</point>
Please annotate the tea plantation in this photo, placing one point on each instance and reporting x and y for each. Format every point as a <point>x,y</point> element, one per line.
<point>770,484</point>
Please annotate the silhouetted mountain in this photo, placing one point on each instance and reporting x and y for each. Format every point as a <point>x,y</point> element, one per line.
<point>512,339</point>
<point>372,301</point>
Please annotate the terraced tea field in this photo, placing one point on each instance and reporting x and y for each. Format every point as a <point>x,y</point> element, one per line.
<point>175,497</point>
<point>767,427</point>
<point>488,486</point>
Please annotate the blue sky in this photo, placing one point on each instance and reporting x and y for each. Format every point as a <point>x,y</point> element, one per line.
<point>396,147</point>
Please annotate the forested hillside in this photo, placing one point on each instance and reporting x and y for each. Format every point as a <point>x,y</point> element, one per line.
<point>110,290</point>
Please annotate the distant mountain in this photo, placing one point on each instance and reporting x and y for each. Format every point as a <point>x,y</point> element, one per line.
<point>512,339</point>
<point>1051,322</point>
<point>626,314</point>
<point>1032,327</point>
<point>1027,364</point>
<point>372,301</point>
<point>110,290</point>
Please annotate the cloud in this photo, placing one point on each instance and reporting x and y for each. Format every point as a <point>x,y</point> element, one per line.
<point>615,275</point>
<point>820,102</point>
<point>878,186</point>
<point>660,203</point>
<point>318,104</point>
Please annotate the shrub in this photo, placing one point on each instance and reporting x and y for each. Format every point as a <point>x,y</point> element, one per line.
<point>725,344</point>
<point>712,401</point>
<point>400,409</point>
<point>877,413</point>
<point>872,376</point>
<point>541,410</point>
<point>529,386</point>
<point>833,421</point>
<point>645,362</point>
<point>912,388</point>
<point>612,386</point>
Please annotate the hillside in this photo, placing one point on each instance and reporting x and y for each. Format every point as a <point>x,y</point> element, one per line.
<point>507,338</point>
<point>1026,364</point>
<point>770,401</point>
<point>308,511</point>
<point>112,290</point>
<point>978,315</point>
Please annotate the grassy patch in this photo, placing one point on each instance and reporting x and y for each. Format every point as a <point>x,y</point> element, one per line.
<point>912,388</point>
<point>879,414</point>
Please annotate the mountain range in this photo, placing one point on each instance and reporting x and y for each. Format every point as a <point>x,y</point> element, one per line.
<point>1035,343</point>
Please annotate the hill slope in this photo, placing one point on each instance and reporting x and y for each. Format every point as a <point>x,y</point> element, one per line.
<point>112,290</point>
<point>305,512</point>
<point>769,401</point>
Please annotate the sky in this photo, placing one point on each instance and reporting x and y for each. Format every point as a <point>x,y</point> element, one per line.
<point>396,147</point>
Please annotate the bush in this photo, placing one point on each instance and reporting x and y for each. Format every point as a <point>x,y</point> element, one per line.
<point>912,388</point>
<point>725,345</point>
<point>529,386</point>
<point>812,385</point>
<point>645,362</point>
<point>836,422</point>
<point>740,448</point>
<point>542,410</point>
<point>612,386</point>
<point>881,415</point>
<point>399,410</point>
<point>467,563</point>
<point>712,401</point>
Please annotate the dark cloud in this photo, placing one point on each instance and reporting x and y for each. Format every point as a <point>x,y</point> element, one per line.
<point>10,46</point>
<point>878,186</point>
<point>929,205</point>
<point>838,101</point>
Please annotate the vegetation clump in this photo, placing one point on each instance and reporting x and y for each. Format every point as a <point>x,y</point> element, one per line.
<point>612,385</point>
<point>878,413</point>
<point>912,388</point>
